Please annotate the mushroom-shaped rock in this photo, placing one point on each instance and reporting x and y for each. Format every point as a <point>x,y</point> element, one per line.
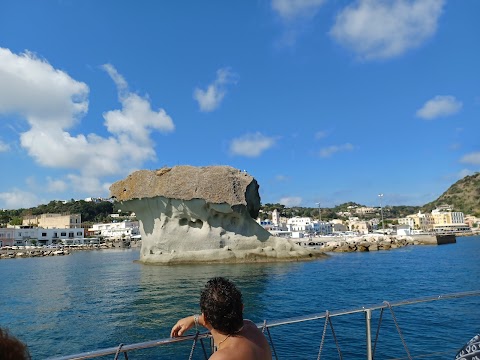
<point>194,214</point>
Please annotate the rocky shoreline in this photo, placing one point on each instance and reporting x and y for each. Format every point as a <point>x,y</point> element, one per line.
<point>26,253</point>
<point>375,242</point>
<point>60,251</point>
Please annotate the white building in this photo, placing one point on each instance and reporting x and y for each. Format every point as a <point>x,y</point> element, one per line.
<point>276,217</point>
<point>296,223</point>
<point>266,224</point>
<point>116,230</point>
<point>407,221</point>
<point>322,227</point>
<point>27,236</point>
<point>305,224</point>
<point>57,236</point>
<point>404,230</point>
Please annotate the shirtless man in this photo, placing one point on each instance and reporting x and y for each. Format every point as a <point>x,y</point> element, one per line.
<point>222,314</point>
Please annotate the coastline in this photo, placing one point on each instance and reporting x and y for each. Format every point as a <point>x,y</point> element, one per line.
<point>321,246</point>
<point>31,251</point>
<point>373,242</point>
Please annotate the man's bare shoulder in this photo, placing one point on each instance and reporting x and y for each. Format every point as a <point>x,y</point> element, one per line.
<point>249,344</point>
<point>220,355</point>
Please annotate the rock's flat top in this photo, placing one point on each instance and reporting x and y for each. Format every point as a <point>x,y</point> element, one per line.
<point>215,184</point>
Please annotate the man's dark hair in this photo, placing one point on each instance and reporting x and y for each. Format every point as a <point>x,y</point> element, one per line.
<point>222,306</point>
<point>11,348</point>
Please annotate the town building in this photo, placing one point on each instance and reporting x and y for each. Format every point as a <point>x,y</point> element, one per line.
<point>305,224</point>
<point>116,230</point>
<point>53,221</point>
<point>442,219</point>
<point>297,223</point>
<point>276,217</point>
<point>446,220</point>
<point>67,236</point>
<point>472,221</point>
<point>338,226</point>
<point>29,235</point>
<point>421,221</point>
<point>7,237</point>
<point>365,210</point>
<point>404,230</point>
<point>362,227</point>
<point>408,221</point>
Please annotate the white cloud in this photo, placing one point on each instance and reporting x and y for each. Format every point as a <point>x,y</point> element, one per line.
<point>472,158</point>
<point>52,103</point>
<point>293,9</point>
<point>296,16</point>
<point>290,201</point>
<point>33,88</point>
<point>56,185</point>
<point>251,145</point>
<point>86,184</point>
<point>17,199</point>
<point>281,178</point>
<point>119,80</point>
<point>330,150</point>
<point>210,99</point>
<point>383,29</point>
<point>439,106</point>
<point>321,134</point>
<point>4,147</point>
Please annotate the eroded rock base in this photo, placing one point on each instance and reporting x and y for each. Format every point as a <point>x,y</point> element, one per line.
<point>195,231</point>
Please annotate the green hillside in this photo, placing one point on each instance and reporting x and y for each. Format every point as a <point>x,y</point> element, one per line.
<point>91,211</point>
<point>464,196</point>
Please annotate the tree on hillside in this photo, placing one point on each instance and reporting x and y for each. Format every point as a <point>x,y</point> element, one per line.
<point>90,211</point>
<point>16,221</point>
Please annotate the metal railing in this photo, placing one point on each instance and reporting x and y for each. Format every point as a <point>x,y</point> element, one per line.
<point>266,325</point>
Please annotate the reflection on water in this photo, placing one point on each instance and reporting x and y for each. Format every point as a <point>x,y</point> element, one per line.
<point>98,299</point>
<point>176,289</point>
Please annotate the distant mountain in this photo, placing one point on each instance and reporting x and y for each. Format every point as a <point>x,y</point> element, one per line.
<point>463,196</point>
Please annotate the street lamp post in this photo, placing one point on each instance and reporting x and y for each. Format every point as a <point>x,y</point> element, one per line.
<point>319,218</point>
<point>381,211</point>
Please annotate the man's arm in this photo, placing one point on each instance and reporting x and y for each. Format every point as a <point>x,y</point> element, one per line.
<point>185,324</point>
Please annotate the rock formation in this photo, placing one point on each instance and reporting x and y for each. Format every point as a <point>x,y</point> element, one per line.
<point>201,214</point>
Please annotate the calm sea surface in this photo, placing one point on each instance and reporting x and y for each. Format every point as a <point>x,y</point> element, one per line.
<point>97,299</point>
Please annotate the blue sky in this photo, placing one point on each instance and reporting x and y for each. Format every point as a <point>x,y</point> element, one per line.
<point>320,100</point>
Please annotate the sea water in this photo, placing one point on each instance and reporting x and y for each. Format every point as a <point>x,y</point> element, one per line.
<point>98,299</point>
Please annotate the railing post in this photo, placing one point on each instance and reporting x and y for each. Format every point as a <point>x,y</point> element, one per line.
<point>368,318</point>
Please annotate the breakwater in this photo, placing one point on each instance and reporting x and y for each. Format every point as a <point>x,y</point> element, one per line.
<point>24,253</point>
<point>28,252</point>
<point>16,252</point>
<point>374,242</point>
